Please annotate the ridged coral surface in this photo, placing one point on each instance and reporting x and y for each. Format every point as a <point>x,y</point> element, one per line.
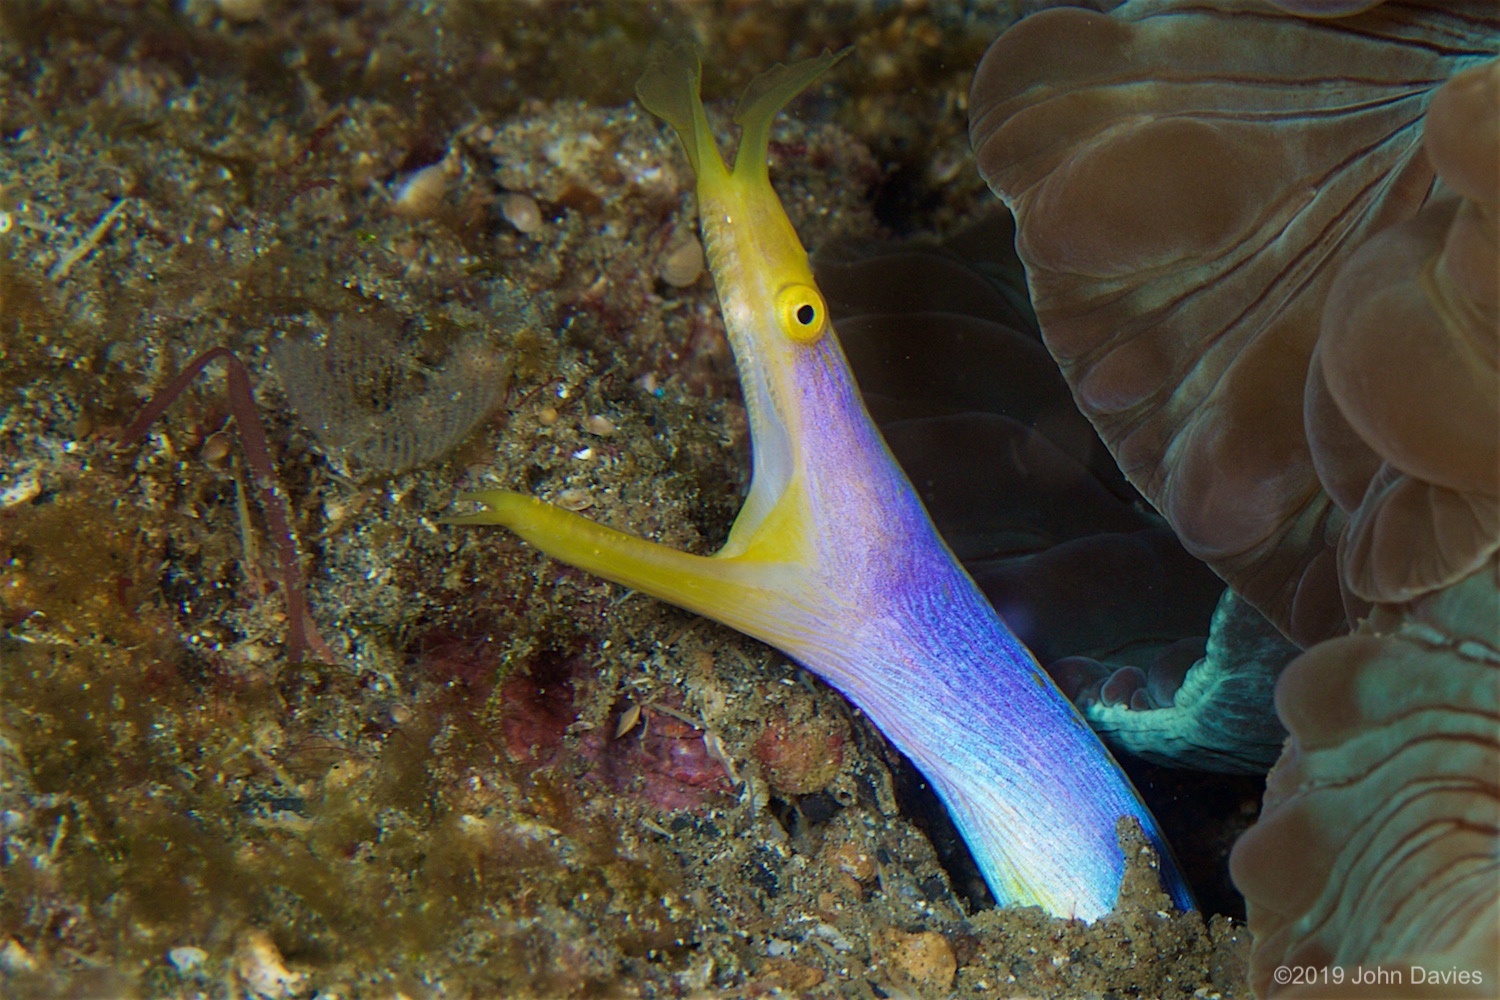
<point>1263,249</point>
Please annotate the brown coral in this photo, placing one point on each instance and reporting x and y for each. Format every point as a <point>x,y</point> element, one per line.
<point>1408,356</point>
<point>1186,189</point>
<point>1281,315</point>
<point>1378,842</point>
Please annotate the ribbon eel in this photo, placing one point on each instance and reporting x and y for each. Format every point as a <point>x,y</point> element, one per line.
<point>834,561</point>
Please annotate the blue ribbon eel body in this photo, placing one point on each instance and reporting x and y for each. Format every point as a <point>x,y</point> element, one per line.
<point>834,561</point>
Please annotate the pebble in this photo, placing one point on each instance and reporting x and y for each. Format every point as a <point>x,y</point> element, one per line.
<point>926,958</point>
<point>521,211</point>
<point>832,935</point>
<point>785,974</point>
<point>850,857</point>
<point>20,492</point>
<point>186,958</point>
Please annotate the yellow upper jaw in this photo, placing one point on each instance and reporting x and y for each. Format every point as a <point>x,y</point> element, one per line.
<point>753,250</point>
<point>772,307</point>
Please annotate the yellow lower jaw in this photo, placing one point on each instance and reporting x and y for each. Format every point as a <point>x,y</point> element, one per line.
<point>737,590</point>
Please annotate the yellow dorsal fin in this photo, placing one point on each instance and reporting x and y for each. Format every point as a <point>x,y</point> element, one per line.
<point>669,90</point>
<point>767,94</point>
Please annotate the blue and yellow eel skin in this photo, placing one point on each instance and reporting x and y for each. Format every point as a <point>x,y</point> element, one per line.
<point>834,561</point>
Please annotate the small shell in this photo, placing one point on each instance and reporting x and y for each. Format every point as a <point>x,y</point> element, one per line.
<point>629,719</point>
<point>423,192</point>
<point>547,416</point>
<point>521,211</point>
<point>575,499</point>
<point>599,425</point>
<point>683,264</point>
<point>215,450</point>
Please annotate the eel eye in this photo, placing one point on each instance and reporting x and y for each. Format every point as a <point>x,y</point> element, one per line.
<point>801,312</point>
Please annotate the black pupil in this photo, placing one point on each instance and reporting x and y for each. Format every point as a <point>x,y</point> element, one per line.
<point>805,314</point>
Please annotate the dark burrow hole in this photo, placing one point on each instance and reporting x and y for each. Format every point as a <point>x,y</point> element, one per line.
<point>803,817</point>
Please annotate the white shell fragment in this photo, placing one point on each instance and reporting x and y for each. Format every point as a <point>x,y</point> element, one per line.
<point>258,963</point>
<point>15,958</point>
